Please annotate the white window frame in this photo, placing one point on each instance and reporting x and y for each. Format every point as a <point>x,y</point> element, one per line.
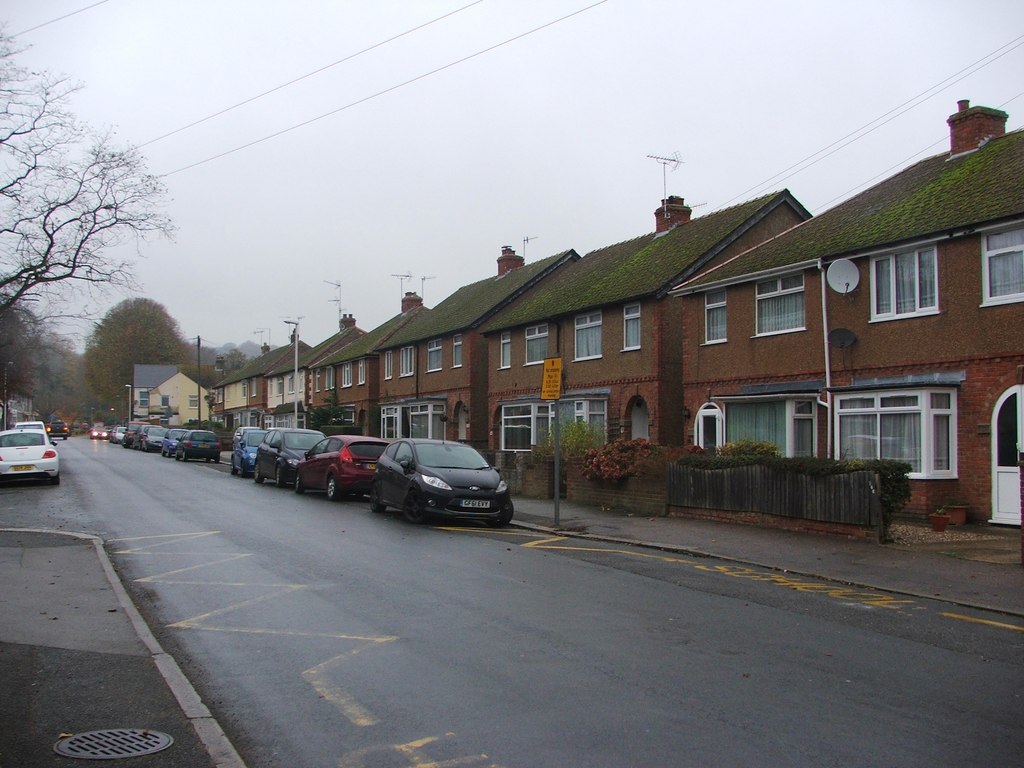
<point>435,352</point>
<point>346,375</point>
<point>457,350</point>
<point>716,303</point>
<point>534,416</point>
<point>536,337</point>
<point>1014,247</point>
<point>937,411</point>
<point>316,379</point>
<point>630,322</point>
<point>505,350</point>
<point>361,371</point>
<point>593,412</point>
<point>797,411</point>
<point>389,365</point>
<point>886,286</point>
<point>586,324</point>
<point>245,389</point>
<point>779,289</point>
<point>407,361</point>
<point>700,438</point>
<point>329,378</point>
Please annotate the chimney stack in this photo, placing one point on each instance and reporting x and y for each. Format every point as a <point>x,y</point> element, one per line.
<point>971,127</point>
<point>508,261</point>
<point>410,300</point>
<point>673,211</point>
<point>265,348</point>
<point>346,321</point>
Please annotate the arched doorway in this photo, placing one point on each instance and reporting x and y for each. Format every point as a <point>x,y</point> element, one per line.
<point>709,429</point>
<point>639,420</point>
<point>1007,429</point>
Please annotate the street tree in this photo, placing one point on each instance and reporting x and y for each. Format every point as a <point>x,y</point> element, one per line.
<point>135,331</point>
<point>69,197</point>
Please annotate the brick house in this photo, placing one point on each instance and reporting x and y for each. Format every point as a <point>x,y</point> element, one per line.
<point>433,371</point>
<point>350,378</point>
<point>317,374</point>
<point>889,326</point>
<point>609,317</point>
<point>242,396</point>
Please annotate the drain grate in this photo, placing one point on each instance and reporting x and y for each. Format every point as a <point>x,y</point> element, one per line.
<point>113,744</point>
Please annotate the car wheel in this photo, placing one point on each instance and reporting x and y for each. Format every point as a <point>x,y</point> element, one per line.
<point>234,469</point>
<point>257,476</point>
<point>333,491</point>
<point>177,456</point>
<point>413,510</point>
<point>184,455</point>
<point>299,486</point>
<point>504,516</point>
<point>376,503</point>
<point>279,477</point>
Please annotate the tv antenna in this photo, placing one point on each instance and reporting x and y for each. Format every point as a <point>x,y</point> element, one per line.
<point>674,161</point>
<point>527,239</point>
<point>337,301</point>
<point>261,331</point>
<point>423,279</point>
<point>401,282</point>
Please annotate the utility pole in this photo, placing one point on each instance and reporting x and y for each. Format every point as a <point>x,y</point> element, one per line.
<point>295,375</point>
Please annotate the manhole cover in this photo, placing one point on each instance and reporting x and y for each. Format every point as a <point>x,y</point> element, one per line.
<point>113,744</point>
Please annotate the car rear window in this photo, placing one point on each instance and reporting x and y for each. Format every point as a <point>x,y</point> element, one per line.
<point>302,440</point>
<point>203,437</point>
<point>22,439</point>
<point>367,450</point>
<point>253,438</point>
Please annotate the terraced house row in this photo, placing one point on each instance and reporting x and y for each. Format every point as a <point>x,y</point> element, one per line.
<point>890,326</point>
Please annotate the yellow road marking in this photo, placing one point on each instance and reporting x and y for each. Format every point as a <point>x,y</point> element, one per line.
<point>987,622</point>
<point>196,621</point>
<point>168,538</point>
<point>317,676</point>
<point>163,576</point>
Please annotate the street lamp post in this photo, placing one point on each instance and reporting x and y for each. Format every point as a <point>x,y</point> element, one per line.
<point>128,416</point>
<point>295,374</point>
<point>7,421</point>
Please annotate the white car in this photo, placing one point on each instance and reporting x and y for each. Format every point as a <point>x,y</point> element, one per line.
<point>28,453</point>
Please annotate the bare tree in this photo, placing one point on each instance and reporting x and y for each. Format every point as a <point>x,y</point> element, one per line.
<point>67,196</point>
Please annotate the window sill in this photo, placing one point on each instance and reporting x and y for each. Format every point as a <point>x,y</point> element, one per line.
<point>714,342</point>
<point>630,349</point>
<point>999,301</point>
<point>584,359</point>
<point>778,333</point>
<point>905,316</point>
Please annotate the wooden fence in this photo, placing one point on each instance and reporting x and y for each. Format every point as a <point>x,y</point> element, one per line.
<point>847,499</point>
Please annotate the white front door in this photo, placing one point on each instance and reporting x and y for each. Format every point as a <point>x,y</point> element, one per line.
<point>1007,429</point>
<point>640,422</point>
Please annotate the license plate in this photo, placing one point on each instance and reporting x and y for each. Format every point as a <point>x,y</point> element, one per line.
<point>371,466</point>
<point>476,503</point>
<point>22,468</point>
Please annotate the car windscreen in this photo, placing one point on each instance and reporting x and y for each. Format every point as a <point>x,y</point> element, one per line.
<point>301,441</point>
<point>450,456</point>
<point>370,451</point>
<point>252,439</point>
<point>158,432</point>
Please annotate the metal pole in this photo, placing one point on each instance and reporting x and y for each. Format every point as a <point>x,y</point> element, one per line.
<point>199,386</point>
<point>557,430</point>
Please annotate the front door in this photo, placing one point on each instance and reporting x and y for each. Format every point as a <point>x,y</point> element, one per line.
<point>1007,428</point>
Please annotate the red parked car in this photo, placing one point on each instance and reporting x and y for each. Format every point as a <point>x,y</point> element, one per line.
<point>340,465</point>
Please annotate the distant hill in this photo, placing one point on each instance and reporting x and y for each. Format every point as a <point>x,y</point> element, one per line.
<point>248,348</point>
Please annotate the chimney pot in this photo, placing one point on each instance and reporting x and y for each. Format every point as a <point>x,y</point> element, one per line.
<point>509,260</point>
<point>971,127</point>
<point>673,211</point>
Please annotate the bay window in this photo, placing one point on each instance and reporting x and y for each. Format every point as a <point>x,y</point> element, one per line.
<point>524,425</point>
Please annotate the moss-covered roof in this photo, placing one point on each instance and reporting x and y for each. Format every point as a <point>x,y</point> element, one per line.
<point>258,366</point>
<point>932,198</point>
<point>473,304</point>
<point>645,266</point>
<point>328,347</point>
<point>368,343</point>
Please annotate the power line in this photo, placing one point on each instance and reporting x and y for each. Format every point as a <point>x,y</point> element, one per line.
<point>307,75</point>
<point>883,119</point>
<point>59,18</point>
<point>385,91</point>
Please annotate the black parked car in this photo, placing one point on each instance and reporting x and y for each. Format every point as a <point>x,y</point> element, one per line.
<point>280,452</point>
<point>198,444</point>
<point>424,478</point>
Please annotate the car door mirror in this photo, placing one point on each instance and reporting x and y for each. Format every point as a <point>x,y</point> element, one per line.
<point>406,464</point>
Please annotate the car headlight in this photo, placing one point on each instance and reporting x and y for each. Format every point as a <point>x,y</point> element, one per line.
<point>436,482</point>
<point>502,487</point>
<point>293,462</point>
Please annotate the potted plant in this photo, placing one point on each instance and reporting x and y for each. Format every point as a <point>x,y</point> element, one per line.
<point>957,511</point>
<point>939,520</point>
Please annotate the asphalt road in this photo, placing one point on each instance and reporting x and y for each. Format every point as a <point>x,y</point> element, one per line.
<point>323,635</point>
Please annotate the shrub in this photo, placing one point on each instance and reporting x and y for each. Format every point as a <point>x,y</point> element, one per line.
<point>749,448</point>
<point>618,460</point>
<point>576,438</point>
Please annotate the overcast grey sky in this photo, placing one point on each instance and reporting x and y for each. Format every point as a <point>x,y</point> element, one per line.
<point>506,119</point>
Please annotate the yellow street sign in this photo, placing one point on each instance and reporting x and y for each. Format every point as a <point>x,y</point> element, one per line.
<point>551,386</point>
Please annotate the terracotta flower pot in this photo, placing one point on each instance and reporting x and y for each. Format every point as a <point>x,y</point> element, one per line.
<point>939,522</point>
<point>957,513</point>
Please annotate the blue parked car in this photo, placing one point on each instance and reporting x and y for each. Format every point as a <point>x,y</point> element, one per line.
<point>170,442</point>
<point>243,455</point>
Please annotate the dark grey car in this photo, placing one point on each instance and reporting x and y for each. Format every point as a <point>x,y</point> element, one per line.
<point>281,451</point>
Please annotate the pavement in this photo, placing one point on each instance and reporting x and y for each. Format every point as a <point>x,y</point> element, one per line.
<point>77,657</point>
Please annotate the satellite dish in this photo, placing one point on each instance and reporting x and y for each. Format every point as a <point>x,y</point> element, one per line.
<point>842,276</point>
<point>841,338</point>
